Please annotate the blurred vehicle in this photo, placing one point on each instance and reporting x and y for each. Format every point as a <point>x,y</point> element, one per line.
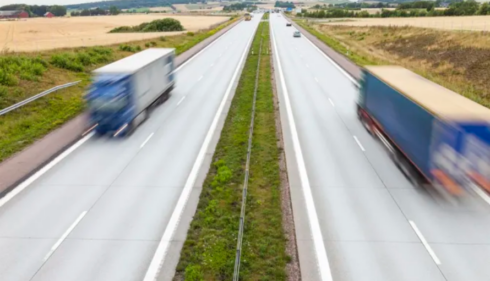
<point>248,17</point>
<point>435,136</point>
<point>296,34</point>
<point>122,92</point>
<point>288,24</point>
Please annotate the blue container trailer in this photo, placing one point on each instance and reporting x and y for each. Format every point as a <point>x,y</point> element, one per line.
<point>434,135</point>
<point>122,92</point>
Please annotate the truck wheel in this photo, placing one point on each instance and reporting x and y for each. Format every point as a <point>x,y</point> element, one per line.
<point>367,124</point>
<point>407,169</point>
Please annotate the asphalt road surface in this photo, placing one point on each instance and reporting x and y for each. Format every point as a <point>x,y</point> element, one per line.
<point>371,223</point>
<point>101,212</point>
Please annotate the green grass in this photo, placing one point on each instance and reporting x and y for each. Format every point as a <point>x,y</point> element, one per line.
<point>336,45</point>
<point>209,251</point>
<point>22,127</point>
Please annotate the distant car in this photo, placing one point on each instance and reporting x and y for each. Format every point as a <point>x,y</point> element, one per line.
<point>289,24</point>
<point>296,34</point>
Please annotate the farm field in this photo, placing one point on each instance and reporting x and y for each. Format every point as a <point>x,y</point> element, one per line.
<point>475,23</point>
<point>44,34</point>
<point>457,60</point>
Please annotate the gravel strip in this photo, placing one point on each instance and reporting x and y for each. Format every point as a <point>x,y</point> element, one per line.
<point>292,268</point>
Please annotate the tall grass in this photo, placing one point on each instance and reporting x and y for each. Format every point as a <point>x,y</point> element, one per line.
<point>78,60</point>
<point>16,68</point>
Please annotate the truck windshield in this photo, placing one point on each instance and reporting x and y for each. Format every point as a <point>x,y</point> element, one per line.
<point>108,94</point>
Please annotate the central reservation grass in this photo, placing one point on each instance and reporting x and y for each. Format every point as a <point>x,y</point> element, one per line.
<point>210,248</point>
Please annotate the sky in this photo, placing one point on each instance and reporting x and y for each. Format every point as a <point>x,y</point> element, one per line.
<point>44,2</point>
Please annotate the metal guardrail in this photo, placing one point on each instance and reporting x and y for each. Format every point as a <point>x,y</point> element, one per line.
<point>33,98</point>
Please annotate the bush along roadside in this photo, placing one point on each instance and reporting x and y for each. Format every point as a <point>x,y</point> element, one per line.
<point>25,75</point>
<point>210,247</point>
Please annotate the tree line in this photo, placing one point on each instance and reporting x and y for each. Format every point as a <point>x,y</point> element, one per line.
<point>129,4</point>
<point>240,7</point>
<point>413,9</point>
<point>281,4</point>
<point>36,10</point>
<point>113,10</point>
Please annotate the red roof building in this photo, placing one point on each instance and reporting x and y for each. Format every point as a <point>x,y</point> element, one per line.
<point>13,14</point>
<point>49,15</point>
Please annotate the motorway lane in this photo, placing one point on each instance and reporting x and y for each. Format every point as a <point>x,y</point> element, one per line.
<point>364,203</point>
<point>123,191</point>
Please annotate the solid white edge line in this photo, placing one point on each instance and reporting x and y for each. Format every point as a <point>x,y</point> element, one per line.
<point>483,195</point>
<point>181,100</point>
<point>160,253</point>
<point>320,251</point>
<point>63,237</point>
<point>19,188</point>
<point>147,139</point>
<point>424,242</point>
<point>334,63</point>
<point>359,143</point>
<point>331,102</point>
<point>205,48</point>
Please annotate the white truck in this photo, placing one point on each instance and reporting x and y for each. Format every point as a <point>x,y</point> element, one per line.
<point>122,92</point>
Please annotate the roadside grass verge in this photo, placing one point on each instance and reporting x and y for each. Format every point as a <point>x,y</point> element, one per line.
<point>210,248</point>
<point>27,74</point>
<point>358,59</point>
<point>457,60</point>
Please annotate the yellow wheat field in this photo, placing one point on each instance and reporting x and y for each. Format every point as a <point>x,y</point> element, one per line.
<point>474,23</point>
<point>43,34</point>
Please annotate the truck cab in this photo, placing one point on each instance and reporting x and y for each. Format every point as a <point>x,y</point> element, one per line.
<point>110,102</point>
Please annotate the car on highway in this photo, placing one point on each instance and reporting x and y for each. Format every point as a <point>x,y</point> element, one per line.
<point>288,24</point>
<point>296,34</point>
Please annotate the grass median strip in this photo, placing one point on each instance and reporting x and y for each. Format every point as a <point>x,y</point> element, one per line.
<point>38,72</point>
<point>209,251</point>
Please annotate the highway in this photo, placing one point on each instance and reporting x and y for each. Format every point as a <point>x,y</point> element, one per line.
<point>357,217</point>
<point>103,210</point>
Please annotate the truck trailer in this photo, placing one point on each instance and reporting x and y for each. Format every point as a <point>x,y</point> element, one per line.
<point>122,92</point>
<point>435,136</point>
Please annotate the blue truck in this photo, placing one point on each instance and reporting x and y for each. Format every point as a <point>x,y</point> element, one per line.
<point>123,92</point>
<point>435,136</point>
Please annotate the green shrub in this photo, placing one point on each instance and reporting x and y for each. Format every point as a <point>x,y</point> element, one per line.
<point>126,48</point>
<point>66,61</point>
<point>78,60</point>
<point>147,45</point>
<point>160,25</point>
<point>190,33</point>
<point>163,39</point>
<point>153,43</point>
<point>13,69</point>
